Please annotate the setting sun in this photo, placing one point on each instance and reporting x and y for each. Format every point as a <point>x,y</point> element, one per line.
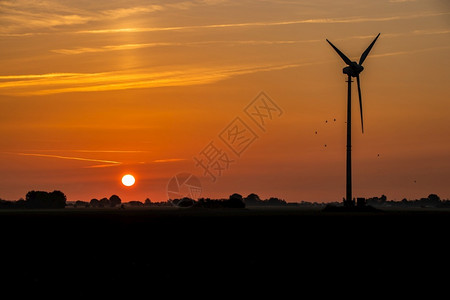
<point>128,180</point>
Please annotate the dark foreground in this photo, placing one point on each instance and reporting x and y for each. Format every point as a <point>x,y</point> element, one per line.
<point>212,252</point>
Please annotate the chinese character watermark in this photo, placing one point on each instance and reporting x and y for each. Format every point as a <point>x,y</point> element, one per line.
<point>213,161</point>
<point>262,110</point>
<point>183,185</point>
<point>238,136</point>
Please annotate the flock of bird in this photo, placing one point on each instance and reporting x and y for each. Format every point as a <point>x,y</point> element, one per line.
<point>326,122</point>
<point>334,120</point>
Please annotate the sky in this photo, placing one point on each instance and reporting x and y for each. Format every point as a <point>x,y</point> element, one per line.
<point>235,96</point>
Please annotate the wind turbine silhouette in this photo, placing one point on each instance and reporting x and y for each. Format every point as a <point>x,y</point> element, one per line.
<point>352,70</point>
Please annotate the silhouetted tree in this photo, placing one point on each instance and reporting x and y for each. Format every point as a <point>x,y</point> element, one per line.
<point>209,203</point>
<point>6,204</point>
<point>148,202</point>
<point>58,199</point>
<point>21,203</point>
<point>115,200</point>
<point>94,203</point>
<point>41,199</point>
<point>252,199</point>
<point>135,203</point>
<point>80,203</point>
<point>235,201</point>
<point>276,201</point>
<point>434,199</point>
<point>185,202</point>
<point>104,202</point>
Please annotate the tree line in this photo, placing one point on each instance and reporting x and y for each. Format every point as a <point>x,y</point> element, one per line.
<point>38,199</point>
<point>57,200</point>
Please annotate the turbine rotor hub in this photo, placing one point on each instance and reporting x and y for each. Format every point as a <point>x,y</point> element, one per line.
<point>353,69</point>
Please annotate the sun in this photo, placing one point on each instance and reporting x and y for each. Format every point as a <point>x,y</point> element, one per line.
<point>128,180</point>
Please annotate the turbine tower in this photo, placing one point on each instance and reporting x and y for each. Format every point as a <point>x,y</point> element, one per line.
<point>352,70</point>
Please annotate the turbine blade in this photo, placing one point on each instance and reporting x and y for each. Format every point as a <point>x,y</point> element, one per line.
<point>365,53</point>
<point>342,55</point>
<point>360,103</point>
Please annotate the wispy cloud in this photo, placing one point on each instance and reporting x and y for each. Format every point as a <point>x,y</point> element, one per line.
<point>119,13</point>
<point>87,151</point>
<point>431,32</point>
<point>110,151</point>
<point>113,48</point>
<point>28,15</point>
<point>120,47</point>
<point>101,166</point>
<point>401,1</point>
<point>133,79</point>
<point>168,160</point>
<point>105,163</point>
<point>409,52</point>
<point>37,76</point>
<point>53,83</point>
<point>172,44</point>
<point>258,24</point>
<point>23,15</point>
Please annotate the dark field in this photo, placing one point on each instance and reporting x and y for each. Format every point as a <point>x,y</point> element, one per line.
<point>199,251</point>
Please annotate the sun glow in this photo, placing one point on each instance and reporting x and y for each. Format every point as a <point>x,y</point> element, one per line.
<point>128,180</point>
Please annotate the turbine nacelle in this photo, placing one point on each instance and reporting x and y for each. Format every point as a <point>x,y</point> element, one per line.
<point>353,69</point>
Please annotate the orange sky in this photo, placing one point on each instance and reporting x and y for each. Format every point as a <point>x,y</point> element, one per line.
<point>92,90</point>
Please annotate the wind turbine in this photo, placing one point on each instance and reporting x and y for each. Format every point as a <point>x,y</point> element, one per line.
<point>352,70</point>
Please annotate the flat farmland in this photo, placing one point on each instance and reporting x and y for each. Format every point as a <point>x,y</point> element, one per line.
<point>113,251</point>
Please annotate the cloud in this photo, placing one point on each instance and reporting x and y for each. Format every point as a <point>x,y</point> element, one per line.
<point>34,76</point>
<point>88,151</point>
<point>120,47</point>
<point>100,166</point>
<point>172,44</point>
<point>258,24</point>
<point>401,1</point>
<point>119,13</point>
<point>106,163</point>
<point>53,83</point>
<point>134,79</point>
<point>430,32</point>
<point>410,51</point>
<point>112,48</point>
<point>109,151</point>
<point>28,15</point>
<point>168,160</point>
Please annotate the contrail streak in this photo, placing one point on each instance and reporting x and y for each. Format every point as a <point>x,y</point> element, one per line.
<point>70,158</point>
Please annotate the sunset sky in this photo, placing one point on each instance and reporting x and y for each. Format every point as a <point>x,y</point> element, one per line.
<point>93,90</point>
